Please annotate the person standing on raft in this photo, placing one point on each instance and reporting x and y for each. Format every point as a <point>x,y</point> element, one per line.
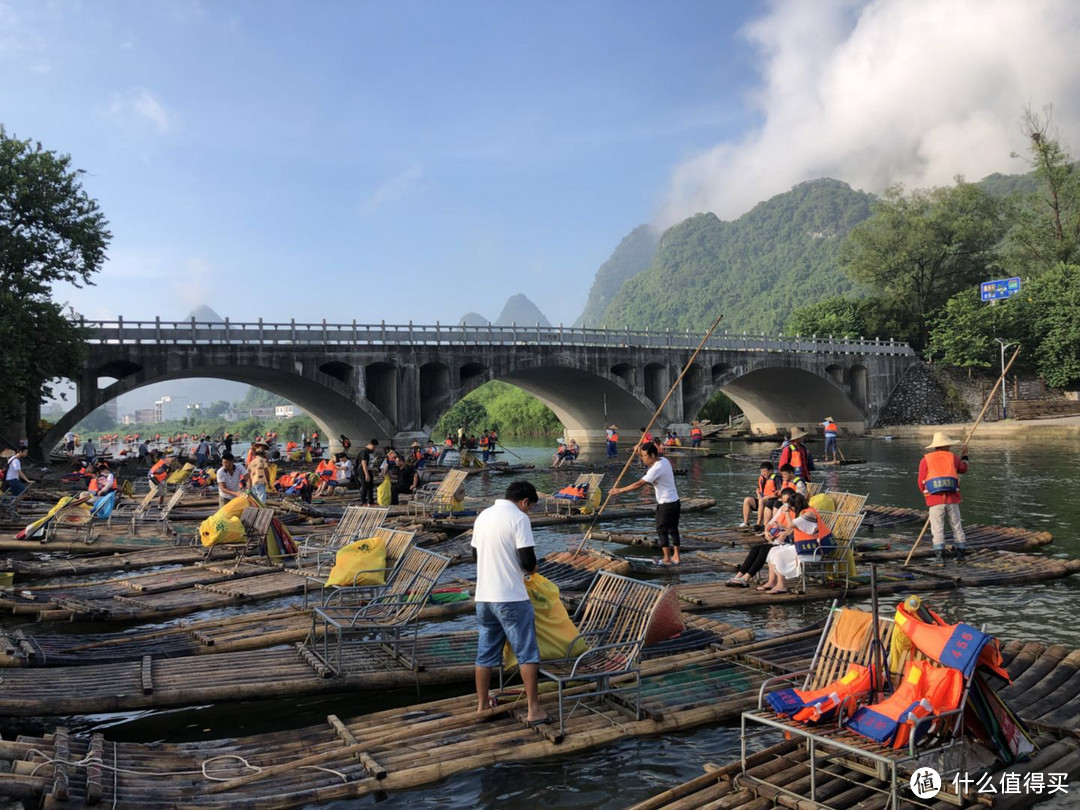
<point>831,432</point>
<point>503,550</point>
<point>668,507</point>
<point>796,454</point>
<point>939,482</point>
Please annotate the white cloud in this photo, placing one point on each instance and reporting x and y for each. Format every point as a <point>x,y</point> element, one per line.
<point>393,189</point>
<point>140,105</point>
<point>879,91</point>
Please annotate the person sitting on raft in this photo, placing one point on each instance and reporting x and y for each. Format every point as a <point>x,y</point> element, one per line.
<point>758,554</point>
<point>788,478</point>
<point>766,499</point>
<point>806,532</point>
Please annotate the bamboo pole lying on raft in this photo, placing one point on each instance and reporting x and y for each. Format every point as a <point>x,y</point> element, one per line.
<point>652,421</point>
<point>963,447</point>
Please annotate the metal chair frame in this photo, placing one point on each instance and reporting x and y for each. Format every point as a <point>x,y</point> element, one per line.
<point>831,563</point>
<point>10,503</point>
<point>358,521</point>
<point>852,750</point>
<point>383,620</point>
<point>429,499</point>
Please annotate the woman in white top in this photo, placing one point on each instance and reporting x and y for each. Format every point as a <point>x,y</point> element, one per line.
<point>668,507</point>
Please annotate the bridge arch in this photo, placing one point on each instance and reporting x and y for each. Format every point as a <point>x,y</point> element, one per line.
<point>775,398</point>
<point>328,403</point>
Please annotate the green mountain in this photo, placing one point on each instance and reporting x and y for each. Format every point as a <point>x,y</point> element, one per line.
<point>780,255</point>
<point>633,255</point>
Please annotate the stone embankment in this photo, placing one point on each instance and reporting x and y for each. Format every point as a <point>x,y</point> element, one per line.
<point>923,397</point>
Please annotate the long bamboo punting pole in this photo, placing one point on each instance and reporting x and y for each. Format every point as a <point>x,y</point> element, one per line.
<point>648,427</point>
<point>963,447</point>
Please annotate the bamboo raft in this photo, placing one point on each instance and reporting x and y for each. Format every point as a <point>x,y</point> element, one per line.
<point>1044,693</point>
<point>981,568</point>
<point>157,681</point>
<point>389,750</point>
<point>538,520</point>
<point>129,561</point>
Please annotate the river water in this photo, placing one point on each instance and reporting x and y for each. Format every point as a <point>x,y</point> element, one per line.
<point>1028,484</point>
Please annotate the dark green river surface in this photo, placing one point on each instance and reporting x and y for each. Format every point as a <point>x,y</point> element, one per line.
<point>1027,484</point>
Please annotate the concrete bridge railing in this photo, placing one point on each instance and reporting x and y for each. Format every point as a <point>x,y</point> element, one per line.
<point>260,333</point>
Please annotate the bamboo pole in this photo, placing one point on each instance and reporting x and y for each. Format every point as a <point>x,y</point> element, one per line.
<point>963,447</point>
<point>648,428</point>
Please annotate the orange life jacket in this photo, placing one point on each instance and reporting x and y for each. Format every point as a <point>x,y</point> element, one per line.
<point>614,437</point>
<point>926,689</point>
<point>695,433</point>
<point>326,469</point>
<point>941,474</point>
<point>959,646</point>
<point>814,705</point>
<point>484,441</point>
<point>807,542</point>
<point>670,441</point>
<point>799,459</point>
<point>831,429</point>
<point>159,472</point>
<point>573,492</point>
<point>768,486</point>
<point>93,485</point>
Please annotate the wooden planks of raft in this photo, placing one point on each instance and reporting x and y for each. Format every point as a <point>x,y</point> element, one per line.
<point>980,568</point>
<point>155,681</point>
<point>414,746</point>
<point>131,560</point>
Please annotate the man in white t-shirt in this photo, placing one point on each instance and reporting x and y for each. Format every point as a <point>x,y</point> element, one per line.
<point>661,478</point>
<point>69,442</point>
<point>504,550</point>
<point>15,480</point>
<point>229,479</point>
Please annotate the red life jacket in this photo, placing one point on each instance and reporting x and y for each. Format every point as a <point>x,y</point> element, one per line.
<point>941,474</point>
<point>814,705</point>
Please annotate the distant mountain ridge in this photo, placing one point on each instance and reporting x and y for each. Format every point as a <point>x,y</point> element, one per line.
<point>517,310</point>
<point>633,255</point>
<point>780,255</point>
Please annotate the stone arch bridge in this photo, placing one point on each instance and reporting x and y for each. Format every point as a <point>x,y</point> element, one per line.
<point>395,381</point>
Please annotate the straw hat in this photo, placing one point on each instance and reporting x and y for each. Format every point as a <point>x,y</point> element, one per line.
<point>828,419</point>
<point>415,444</point>
<point>797,433</point>
<point>7,453</point>
<point>940,440</point>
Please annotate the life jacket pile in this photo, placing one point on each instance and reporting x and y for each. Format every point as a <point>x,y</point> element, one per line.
<point>959,646</point>
<point>573,493</point>
<point>813,706</point>
<point>925,690</point>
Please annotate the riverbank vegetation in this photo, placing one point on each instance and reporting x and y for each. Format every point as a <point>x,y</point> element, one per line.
<point>502,406</point>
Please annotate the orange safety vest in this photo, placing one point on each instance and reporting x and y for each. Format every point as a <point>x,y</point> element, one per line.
<point>326,469</point>
<point>159,472</point>
<point>812,706</point>
<point>767,486</point>
<point>670,441</point>
<point>808,542</point>
<point>831,429</point>
<point>799,460</point>
<point>695,433</point>
<point>614,437</point>
<point>484,441</point>
<point>941,474</point>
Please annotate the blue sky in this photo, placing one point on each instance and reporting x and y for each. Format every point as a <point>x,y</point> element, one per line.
<point>369,160</point>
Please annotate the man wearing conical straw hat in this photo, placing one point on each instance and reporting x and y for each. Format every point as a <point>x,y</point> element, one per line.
<point>796,454</point>
<point>939,482</point>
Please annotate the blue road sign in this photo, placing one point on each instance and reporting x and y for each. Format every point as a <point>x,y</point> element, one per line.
<point>1003,288</point>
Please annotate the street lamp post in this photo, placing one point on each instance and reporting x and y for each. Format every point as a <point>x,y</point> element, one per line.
<point>1004,345</point>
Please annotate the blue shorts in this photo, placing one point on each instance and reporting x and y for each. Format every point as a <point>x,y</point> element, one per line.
<point>500,622</point>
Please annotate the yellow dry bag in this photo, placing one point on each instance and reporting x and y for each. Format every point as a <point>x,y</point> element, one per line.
<point>361,562</point>
<point>554,629</point>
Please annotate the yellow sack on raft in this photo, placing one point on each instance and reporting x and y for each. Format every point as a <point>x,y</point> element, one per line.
<point>554,629</point>
<point>595,499</point>
<point>823,502</point>
<point>236,506</point>
<point>360,563</point>
<point>216,529</point>
<point>385,492</point>
<point>180,475</point>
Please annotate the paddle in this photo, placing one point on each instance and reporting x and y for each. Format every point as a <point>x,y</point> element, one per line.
<point>652,421</point>
<point>963,447</point>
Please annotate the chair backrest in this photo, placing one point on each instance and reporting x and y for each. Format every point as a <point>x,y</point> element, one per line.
<point>408,586</point>
<point>397,542</point>
<point>814,488</point>
<point>444,493</point>
<point>148,498</point>
<point>181,488</point>
<point>256,521</point>
<point>847,638</point>
<point>617,608</point>
<point>358,521</point>
<point>843,526</point>
<point>11,502</point>
<point>848,502</point>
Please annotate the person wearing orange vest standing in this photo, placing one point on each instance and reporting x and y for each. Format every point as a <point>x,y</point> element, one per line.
<point>612,434</point>
<point>939,482</point>
<point>797,455</point>
<point>696,435</point>
<point>831,432</point>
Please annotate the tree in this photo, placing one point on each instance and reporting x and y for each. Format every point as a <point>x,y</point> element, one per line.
<point>919,249</point>
<point>1050,314</point>
<point>50,231</point>
<point>1047,229</point>
<point>836,317</point>
<point>964,330</point>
